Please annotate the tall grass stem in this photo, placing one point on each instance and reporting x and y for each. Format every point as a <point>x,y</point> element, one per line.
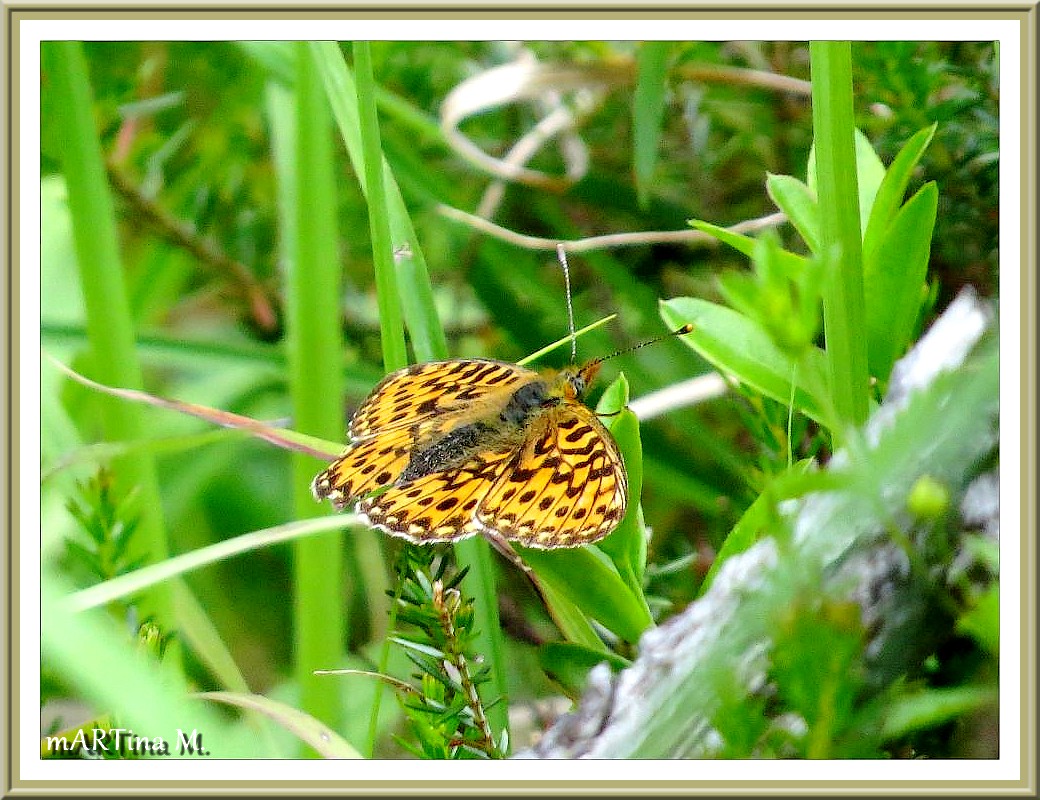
<point>844,311</point>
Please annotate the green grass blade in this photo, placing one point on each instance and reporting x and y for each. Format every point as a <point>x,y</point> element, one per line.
<point>648,112</point>
<point>328,744</point>
<point>204,639</point>
<point>313,285</point>
<point>565,340</point>
<point>110,327</point>
<point>395,355</point>
<point>155,574</point>
<point>416,292</point>
<point>428,342</point>
<point>92,654</point>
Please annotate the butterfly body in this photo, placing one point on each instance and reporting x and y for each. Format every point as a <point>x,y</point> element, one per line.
<point>449,449</point>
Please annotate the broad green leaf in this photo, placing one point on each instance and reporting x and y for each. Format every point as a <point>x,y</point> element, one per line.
<point>586,577</point>
<point>746,245</point>
<point>893,187</point>
<point>798,202</point>
<point>573,624</point>
<point>982,621</point>
<point>648,112</point>
<point>626,545</point>
<point>894,281</point>
<point>738,241</point>
<point>568,664</point>
<point>933,707</point>
<point>739,347</point>
<point>870,172</point>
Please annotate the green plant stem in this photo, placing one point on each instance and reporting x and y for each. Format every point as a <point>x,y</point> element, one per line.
<point>313,284</point>
<point>428,342</point>
<point>844,314</point>
<point>110,328</point>
<point>395,355</point>
<point>414,287</point>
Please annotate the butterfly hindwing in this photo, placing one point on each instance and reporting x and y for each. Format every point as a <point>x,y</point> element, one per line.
<point>364,467</point>
<point>438,507</point>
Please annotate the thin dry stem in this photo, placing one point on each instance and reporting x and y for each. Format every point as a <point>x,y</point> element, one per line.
<point>689,237</point>
<point>182,235</point>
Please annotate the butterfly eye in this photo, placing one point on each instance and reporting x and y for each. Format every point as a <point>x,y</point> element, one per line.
<point>578,384</point>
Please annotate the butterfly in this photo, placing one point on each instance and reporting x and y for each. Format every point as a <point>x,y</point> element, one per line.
<point>449,449</point>
<point>444,450</point>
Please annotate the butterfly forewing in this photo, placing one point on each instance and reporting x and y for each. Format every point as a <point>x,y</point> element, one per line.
<point>434,389</point>
<point>567,488</point>
<point>407,411</point>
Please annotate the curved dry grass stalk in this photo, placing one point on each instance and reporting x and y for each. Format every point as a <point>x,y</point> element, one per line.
<point>560,120</point>
<point>523,79</point>
<point>688,237</point>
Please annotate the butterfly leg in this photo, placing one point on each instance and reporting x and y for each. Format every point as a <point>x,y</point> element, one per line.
<point>502,545</point>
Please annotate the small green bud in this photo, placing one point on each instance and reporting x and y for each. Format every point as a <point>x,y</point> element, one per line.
<point>928,498</point>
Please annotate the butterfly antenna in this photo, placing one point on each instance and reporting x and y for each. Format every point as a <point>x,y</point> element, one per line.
<point>685,329</point>
<point>562,255</point>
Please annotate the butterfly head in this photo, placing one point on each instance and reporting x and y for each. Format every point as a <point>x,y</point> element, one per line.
<point>575,381</point>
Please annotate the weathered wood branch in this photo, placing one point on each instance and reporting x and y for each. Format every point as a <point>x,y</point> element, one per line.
<point>853,540</point>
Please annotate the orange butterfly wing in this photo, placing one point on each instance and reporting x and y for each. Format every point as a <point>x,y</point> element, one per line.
<point>364,467</point>
<point>567,487</point>
<point>562,485</point>
<point>406,411</point>
<point>436,388</point>
<point>440,506</point>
